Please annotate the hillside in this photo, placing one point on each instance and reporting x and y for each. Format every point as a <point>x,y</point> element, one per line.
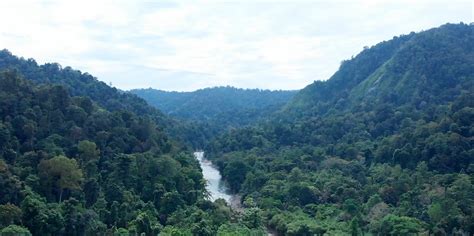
<point>69,165</point>
<point>78,157</point>
<point>398,71</point>
<point>78,83</point>
<point>221,107</point>
<point>384,146</point>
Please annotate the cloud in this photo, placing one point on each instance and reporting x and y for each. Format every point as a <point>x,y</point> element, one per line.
<point>188,45</point>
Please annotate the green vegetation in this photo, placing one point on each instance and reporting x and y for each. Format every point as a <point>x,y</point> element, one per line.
<point>70,166</point>
<point>222,107</point>
<point>79,84</point>
<point>212,111</point>
<point>384,146</point>
<point>15,230</point>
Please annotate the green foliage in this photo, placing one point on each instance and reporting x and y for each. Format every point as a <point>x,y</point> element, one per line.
<point>395,225</point>
<point>384,145</point>
<point>86,165</point>
<point>15,230</point>
<point>235,172</point>
<point>212,111</point>
<point>9,214</point>
<point>252,218</point>
<point>173,231</point>
<point>144,223</point>
<point>121,232</point>
<point>64,173</point>
<point>222,107</point>
<point>299,223</point>
<point>88,156</point>
<point>237,230</point>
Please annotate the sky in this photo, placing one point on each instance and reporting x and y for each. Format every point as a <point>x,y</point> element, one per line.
<point>187,45</point>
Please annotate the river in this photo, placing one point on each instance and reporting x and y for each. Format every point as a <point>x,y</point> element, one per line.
<point>215,185</point>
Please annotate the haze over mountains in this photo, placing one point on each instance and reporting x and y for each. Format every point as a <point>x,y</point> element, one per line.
<point>383,147</point>
<point>224,107</point>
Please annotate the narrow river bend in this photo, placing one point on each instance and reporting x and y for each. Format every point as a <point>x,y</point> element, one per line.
<point>215,185</point>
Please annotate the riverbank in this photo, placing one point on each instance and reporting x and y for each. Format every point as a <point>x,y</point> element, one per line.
<point>235,203</point>
<point>217,188</point>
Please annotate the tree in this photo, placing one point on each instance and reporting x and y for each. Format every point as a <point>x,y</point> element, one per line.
<point>400,225</point>
<point>87,151</point>
<point>234,230</point>
<point>235,173</point>
<point>436,213</point>
<point>15,230</point>
<point>9,214</point>
<point>63,172</point>
<point>252,218</point>
<point>88,156</point>
<point>170,202</point>
<point>354,227</point>
<point>33,208</point>
<point>74,219</point>
<point>351,207</point>
<point>145,223</point>
<point>91,191</point>
<point>10,186</point>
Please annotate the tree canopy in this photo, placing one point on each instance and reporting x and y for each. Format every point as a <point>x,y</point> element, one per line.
<point>382,146</point>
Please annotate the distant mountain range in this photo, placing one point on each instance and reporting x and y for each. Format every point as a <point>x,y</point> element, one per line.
<point>224,107</point>
<point>383,147</point>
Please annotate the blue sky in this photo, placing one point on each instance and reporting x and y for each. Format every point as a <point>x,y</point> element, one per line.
<point>186,45</point>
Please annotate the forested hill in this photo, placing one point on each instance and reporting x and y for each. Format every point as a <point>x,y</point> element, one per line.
<point>78,157</point>
<point>415,69</point>
<point>385,145</point>
<point>70,167</point>
<point>221,107</point>
<point>78,83</point>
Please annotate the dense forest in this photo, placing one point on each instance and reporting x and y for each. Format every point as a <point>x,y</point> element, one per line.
<point>222,106</point>
<point>81,158</point>
<point>188,133</point>
<point>384,146</point>
<point>219,109</point>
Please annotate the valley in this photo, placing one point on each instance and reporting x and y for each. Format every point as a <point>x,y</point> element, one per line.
<point>385,146</point>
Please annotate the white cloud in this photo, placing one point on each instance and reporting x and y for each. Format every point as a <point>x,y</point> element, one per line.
<point>187,45</point>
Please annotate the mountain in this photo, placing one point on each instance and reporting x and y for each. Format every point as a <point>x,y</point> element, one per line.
<point>78,157</point>
<point>222,107</point>
<point>83,84</point>
<point>77,84</point>
<point>384,146</point>
<point>398,72</point>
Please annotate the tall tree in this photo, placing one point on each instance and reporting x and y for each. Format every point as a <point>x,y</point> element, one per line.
<point>63,172</point>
